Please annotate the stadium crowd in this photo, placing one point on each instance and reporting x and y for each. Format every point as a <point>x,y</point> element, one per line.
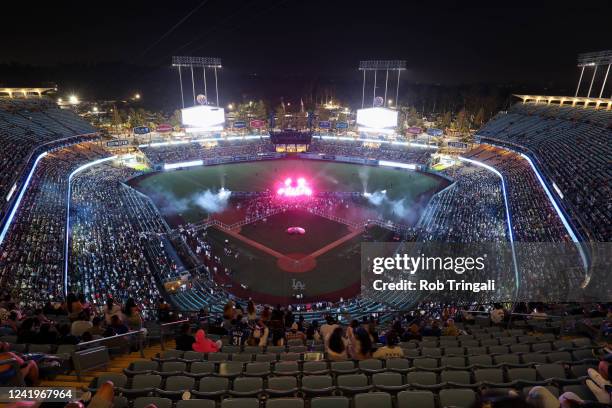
<point>572,147</point>
<point>26,126</point>
<point>32,257</point>
<point>115,245</point>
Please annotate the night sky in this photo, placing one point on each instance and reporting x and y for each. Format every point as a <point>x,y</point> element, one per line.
<point>111,47</point>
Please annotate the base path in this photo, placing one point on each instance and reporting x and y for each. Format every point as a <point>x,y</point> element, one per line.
<point>291,264</point>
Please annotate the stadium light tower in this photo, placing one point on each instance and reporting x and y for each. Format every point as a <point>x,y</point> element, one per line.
<point>197,62</point>
<point>594,59</point>
<point>381,65</point>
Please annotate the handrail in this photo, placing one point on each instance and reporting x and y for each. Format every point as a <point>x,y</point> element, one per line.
<point>164,325</point>
<point>515,314</point>
<point>140,332</point>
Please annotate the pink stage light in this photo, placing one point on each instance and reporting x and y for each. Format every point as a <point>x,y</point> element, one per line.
<point>295,190</point>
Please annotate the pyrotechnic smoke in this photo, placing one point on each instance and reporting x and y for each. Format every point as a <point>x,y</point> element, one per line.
<point>210,201</point>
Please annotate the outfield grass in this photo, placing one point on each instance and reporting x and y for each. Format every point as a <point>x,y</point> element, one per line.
<point>175,192</point>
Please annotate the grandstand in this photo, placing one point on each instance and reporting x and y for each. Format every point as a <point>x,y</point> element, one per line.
<point>78,227</point>
<point>28,128</point>
<point>571,146</point>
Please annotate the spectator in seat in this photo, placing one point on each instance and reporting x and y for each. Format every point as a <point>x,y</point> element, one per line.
<point>450,329</point>
<point>116,327</point>
<point>391,349</point>
<point>64,335</point>
<point>28,369</point>
<point>363,345</point>
<point>27,333</point>
<point>327,329</point>
<point>111,309</point>
<point>497,315</point>
<point>294,334</point>
<point>185,340</point>
<point>131,312</point>
<point>46,334</point>
<point>96,326</point>
<point>203,344</point>
<point>337,349</point>
<point>81,325</point>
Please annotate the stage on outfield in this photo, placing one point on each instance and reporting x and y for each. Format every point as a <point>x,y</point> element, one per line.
<point>271,265</point>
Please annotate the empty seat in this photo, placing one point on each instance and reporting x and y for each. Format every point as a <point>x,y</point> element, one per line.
<point>371,366</point>
<point>457,397</point>
<point>453,362</point>
<point>425,363</point>
<point>218,357</point>
<point>562,344</point>
<point>317,385</point>
<point>388,382</point>
<point>508,359</point>
<point>329,402</point>
<point>343,367</point>
<point>169,355</point>
<point>411,353</point>
<point>286,368</point>
<point>582,354</point>
<point>257,369</point>
<point>431,352</point>
<point>580,370</point>
<point>281,386</point>
<point>172,368</point>
<point>315,367</point>
<point>142,385</point>
<point>454,351</point>
<point>212,387</point>
<point>551,371</point>
<point>414,399</point>
<point>498,349</point>
<point>285,403</point>
<point>141,367</point>
<point>119,380</point>
<point>421,378</point>
<point>456,377</point>
<point>275,349</point>
<point>559,356</point>
<point>265,358</point>
<point>199,369</point>
<point>580,390</point>
<point>541,347</point>
<point>247,387</point>
<point>476,351</point>
<point>240,403</point>
<point>193,356</point>
<point>242,357</point>
<point>230,369</point>
<point>373,400</point>
<point>582,342</point>
<point>142,402</point>
<point>520,348</point>
<point>230,349</point>
<point>194,403</point>
<point>523,375</point>
<point>289,356</point>
<point>482,360</point>
<point>350,384</point>
<point>489,376</point>
<point>399,365</point>
<point>175,386</point>
<point>534,358</point>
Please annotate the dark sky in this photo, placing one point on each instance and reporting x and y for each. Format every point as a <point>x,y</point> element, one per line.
<point>447,42</point>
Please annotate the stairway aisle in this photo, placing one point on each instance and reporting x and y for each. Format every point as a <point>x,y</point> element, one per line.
<point>116,365</point>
